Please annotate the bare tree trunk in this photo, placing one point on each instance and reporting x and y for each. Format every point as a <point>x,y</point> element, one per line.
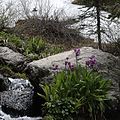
<point>98,23</point>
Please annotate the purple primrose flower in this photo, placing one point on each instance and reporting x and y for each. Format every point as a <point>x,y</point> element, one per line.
<point>68,65</point>
<point>77,51</point>
<point>54,67</point>
<point>91,62</point>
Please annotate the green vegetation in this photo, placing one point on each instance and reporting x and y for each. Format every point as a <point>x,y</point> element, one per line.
<point>8,38</point>
<point>37,48</point>
<point>33,47</point>
<point>76,92</point>
<point>7,71</point>
<point>21,75</point>
<point>83,91</point>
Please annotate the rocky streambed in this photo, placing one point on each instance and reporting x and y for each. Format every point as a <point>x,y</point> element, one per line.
<point>18,97</point>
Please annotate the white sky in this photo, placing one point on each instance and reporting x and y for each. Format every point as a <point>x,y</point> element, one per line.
<point>56,4</point>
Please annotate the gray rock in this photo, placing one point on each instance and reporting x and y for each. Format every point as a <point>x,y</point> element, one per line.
<point>4,83</point>
<point>108,65</point>
<point>9,57</point>
<point>43,67</point>
<point>19,96</point>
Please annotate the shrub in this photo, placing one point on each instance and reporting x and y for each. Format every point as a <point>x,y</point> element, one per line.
<point>54,30</point>
<point>77,90</point>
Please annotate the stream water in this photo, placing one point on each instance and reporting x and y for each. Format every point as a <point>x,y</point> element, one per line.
<point>4,116</point>
<point>17,85</point>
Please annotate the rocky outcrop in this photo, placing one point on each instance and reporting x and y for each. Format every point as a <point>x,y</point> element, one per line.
<point>18,97</point>
<point>14,59</point>
<point>108,65</point>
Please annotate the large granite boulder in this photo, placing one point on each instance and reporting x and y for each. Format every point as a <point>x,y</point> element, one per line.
<point>108,65</point>
<point>18,98</point>
<point>14,59</point>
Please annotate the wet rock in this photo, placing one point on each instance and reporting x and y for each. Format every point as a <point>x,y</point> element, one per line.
<point>4,83</point>
<point>35,74</point>
<point>14,59</point>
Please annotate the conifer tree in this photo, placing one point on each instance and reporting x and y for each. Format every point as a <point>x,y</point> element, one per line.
<point>112,6</point>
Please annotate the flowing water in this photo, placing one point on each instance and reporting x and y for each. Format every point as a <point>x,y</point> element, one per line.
<point>18,85</point>
<point>4,116</point>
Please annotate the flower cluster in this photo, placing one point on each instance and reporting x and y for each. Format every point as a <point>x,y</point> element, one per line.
<point>91,63</point>
<point>68,65</point>
<point>77,52</point>
<point>55,69</point>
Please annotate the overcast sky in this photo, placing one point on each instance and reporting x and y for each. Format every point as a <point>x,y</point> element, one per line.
<point>66,5</point>
<point>55,3</point>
